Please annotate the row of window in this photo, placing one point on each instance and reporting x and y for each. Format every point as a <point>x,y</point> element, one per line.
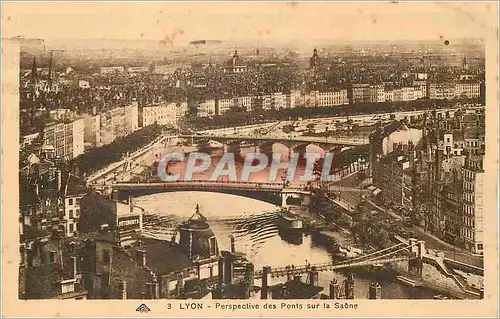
<point>76,201</point>
<point>77,213</point>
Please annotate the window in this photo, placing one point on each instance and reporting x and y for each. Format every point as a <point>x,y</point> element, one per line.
<point>52,256</point>
<point>213,246</point>
<point>71,201</point>
<point>77,201</point>
<point>77,212</point>
<point>479,246</point>
<point>105,257</point>
<point>71,228</point>
<point>71,214</point>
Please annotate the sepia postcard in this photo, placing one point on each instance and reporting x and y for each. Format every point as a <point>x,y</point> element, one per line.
<point>249,159</point>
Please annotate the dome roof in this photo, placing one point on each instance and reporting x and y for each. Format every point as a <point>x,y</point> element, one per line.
<point>197,221</point>
<point>403,135</point>
<point>236,61</point>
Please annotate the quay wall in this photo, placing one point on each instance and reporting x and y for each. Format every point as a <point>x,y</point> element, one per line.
<point>434,278</point>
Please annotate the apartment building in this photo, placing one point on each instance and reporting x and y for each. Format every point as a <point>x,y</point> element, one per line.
<point>333,98</point>
<point>206,108</point>
<point>67,138</point>
<point>223,105</point>
<point>163,114</point>
<point>467,89</point>
<point>472,223</point>
<point>244,102</point>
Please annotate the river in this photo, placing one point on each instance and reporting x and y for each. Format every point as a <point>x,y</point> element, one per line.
<point>253,223</point>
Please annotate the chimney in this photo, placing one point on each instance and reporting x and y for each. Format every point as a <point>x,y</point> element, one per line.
<point>149,290</point>
<point>155,289</point>
<point>439,159</point>
<point>265,280</point>
<point>333,289</point>
<point>406,148</point>
<point>59,182</point>
<point>249,277</point>
<point>313,277</point>
<point>374,291</point>
<point>220,275</point>
<point>167,279</point>
<point>74,264</point>
<point>141,257</point>
<point>233,249</point>
<point>180,284</point>
<point>421,248</point>
<point>123,289</point>
<point>283,291</point>
<point>228,270</point>
<point>412,242</point>
<point>131,203</point>
<point>349,287</point>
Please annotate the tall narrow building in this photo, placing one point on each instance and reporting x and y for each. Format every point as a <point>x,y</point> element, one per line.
<point>472,221</point>
<point>34,73</point>
<point>314,61</point>
<point>465,63</point>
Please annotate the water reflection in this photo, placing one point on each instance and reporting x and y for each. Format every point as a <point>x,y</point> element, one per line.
<point>239,156</point>
<point>254,224</point>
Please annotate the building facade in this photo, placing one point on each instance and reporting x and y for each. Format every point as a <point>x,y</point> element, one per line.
<point>472,223</point>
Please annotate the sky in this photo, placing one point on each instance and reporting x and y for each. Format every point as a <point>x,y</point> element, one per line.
<point>183,22</point>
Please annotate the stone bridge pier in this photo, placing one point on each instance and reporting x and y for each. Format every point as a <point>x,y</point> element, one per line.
<point>417,251</point>
<point>232,147</point>
<point>295,198</point>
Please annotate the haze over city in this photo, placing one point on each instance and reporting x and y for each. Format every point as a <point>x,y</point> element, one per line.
<point>180,23</point>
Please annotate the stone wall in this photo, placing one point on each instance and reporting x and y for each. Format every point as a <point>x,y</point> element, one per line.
<point>432,277</point>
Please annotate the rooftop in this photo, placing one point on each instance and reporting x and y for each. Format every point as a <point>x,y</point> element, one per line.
<point>296,289</point>
<point>164,257</point>
<point>236,61</point>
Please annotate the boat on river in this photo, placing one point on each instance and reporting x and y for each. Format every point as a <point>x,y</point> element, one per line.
<point>290,227</point>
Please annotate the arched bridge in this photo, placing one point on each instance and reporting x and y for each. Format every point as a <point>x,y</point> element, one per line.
<point>275,193</point>
<point>325,142</point>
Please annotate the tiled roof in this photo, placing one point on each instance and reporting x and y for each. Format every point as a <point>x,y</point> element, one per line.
<point>164,258</point>
<point>298,290</point>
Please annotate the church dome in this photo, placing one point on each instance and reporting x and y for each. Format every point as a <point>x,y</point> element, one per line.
<point>236,61</point>
<point>236,64</point>
<point>197,239</point>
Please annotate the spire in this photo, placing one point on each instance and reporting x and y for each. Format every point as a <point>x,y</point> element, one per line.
<point>465,64</point>
<point>34,74</point>
<point>235,54</point>
<point>50,65</point>
<point>197,216</point>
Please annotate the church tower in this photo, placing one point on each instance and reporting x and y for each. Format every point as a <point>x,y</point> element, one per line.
<point>314,62</point>
<point>465,63</point>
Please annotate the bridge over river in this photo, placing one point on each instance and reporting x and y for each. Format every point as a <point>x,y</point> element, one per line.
<point>276,193</point>
<point>286,140</point>
<point>399,252</point>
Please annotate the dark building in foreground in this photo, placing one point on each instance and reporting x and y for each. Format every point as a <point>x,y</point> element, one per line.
<point>151,268</point>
